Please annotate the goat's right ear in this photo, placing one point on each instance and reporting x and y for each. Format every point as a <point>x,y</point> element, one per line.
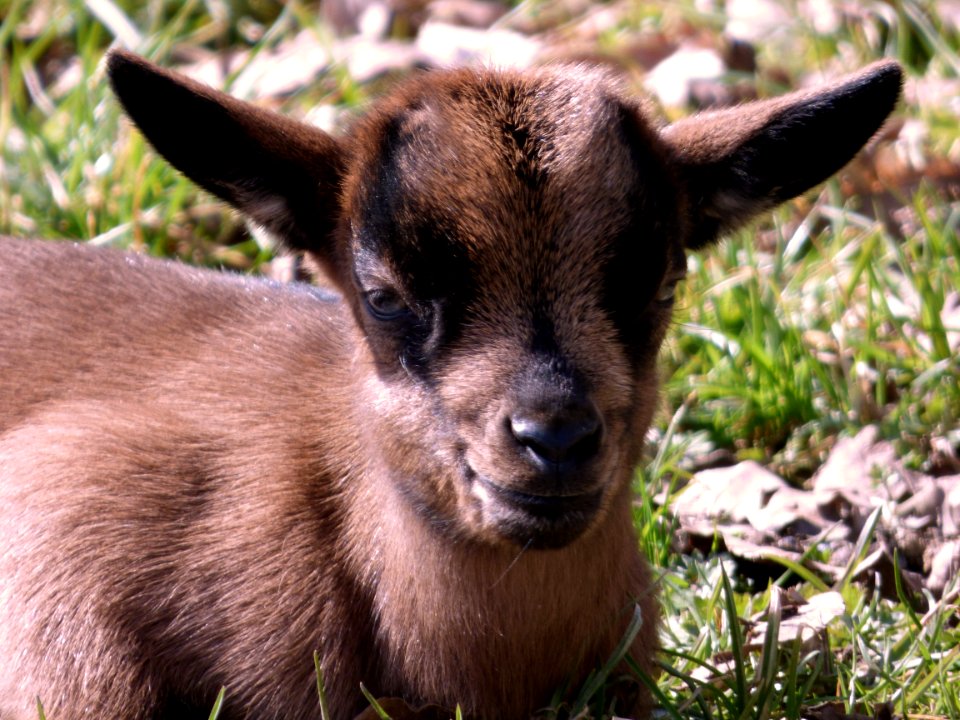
<point>282,174</point>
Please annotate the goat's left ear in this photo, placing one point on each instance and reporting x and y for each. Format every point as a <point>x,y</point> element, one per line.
<point>741,161</point>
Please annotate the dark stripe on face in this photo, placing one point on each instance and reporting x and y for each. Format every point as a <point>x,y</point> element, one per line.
<point>641,253</point>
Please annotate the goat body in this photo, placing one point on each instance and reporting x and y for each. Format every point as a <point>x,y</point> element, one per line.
<point>425,477</point>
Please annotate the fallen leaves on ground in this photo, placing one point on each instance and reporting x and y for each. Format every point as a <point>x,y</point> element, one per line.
<point>764,520</point>
<point>837,711</point>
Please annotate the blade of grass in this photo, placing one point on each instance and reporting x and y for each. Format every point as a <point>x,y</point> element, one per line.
<point>767,676</point>
<point>660,697</point>
<point>381,713</point>
<point>218,704</point>
<point>321,690</point>
<point>859,550</point>
<point>736,638</point>
<point>924,678</point>
<point>798,569</point>
<point>597,679</point>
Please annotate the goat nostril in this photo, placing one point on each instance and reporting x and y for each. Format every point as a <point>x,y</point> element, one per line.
<point>559,439</point>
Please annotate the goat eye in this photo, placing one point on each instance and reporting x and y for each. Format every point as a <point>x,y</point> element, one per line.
<point>385,304</point>
<point>667,291</point>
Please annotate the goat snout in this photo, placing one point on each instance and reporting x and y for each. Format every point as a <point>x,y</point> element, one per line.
<point>542,473</point>
<point>558,441</point>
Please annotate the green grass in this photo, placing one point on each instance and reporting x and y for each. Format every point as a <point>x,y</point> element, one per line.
<point>816,322</point>
<point>875,652</point>
<point>776,347</point>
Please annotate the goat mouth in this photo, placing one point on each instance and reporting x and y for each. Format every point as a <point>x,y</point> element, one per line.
<point>538,521</point>
<point>546,506</point>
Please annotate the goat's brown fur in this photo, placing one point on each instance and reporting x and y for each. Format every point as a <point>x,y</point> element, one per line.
<point>206,478</point>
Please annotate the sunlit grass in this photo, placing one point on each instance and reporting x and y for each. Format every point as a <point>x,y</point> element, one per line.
<point>844,333</point>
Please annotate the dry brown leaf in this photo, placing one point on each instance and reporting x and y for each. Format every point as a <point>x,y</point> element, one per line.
<point>671,81</point>
<point>924,506</point>
<point>367,59</point>
<point>541,17</point>
<point>444,45</point>
<point>837,711</point>
<point>789,508</point>
<point>749,493</point>
<point>739,547</point>
<point>728,493</point>
<point>824,16</point>
<point>754,20</point>
<point>290,66</point>
<point>944,458</point>
<point>951,505</point>
<point>466,13</point>
<point>944,567</point>
<point>761,518</point>
<point>374,17</point>
<point>862,470</point>
<point>803,620</point>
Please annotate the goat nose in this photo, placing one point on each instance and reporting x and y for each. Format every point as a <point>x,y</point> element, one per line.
<point>573,436</point>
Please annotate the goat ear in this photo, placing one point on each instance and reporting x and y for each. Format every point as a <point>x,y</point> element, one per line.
<point>282,174</point>
<point>741,161</point>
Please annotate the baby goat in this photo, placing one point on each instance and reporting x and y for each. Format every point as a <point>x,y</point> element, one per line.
<point>206,478</point>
